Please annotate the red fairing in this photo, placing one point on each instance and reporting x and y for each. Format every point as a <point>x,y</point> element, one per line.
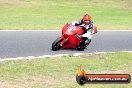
<point>69,29</point>
<point>69,36</point>
<point>72,42</point>
<point>80,31</point>
<point>64,29</point>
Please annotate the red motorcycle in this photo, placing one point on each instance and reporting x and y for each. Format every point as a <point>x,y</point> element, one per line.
<point>70,38</point>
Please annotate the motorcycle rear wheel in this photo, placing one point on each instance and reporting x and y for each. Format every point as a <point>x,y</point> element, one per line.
<point>56,44</point>
<point>83,45</point>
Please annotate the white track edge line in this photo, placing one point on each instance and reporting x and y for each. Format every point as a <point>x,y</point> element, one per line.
<point>57,55</point>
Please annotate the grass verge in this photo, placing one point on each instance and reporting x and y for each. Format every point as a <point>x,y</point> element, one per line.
<point>53,14</point>
<point>60,72</point>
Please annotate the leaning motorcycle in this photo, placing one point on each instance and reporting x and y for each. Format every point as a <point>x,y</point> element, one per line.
<point>70,38</point>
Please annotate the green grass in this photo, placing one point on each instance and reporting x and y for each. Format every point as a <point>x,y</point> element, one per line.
<point>60,72</point>
<point>53,14</point>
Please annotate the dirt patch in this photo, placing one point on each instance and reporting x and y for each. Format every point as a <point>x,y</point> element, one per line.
<point>30,82</point>
<point>93,56</point>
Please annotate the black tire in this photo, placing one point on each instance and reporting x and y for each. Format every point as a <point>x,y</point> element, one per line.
<point>56,44</point>
<point>89,40</point>
<point>81,80</point>
<point>81,47</point>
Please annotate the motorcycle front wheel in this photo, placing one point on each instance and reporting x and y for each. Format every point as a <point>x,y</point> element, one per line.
<point>56,44</point>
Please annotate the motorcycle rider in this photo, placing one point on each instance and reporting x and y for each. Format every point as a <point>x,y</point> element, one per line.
<point>89,29</point>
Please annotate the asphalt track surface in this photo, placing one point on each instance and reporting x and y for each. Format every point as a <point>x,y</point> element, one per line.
<point>38,43</point>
